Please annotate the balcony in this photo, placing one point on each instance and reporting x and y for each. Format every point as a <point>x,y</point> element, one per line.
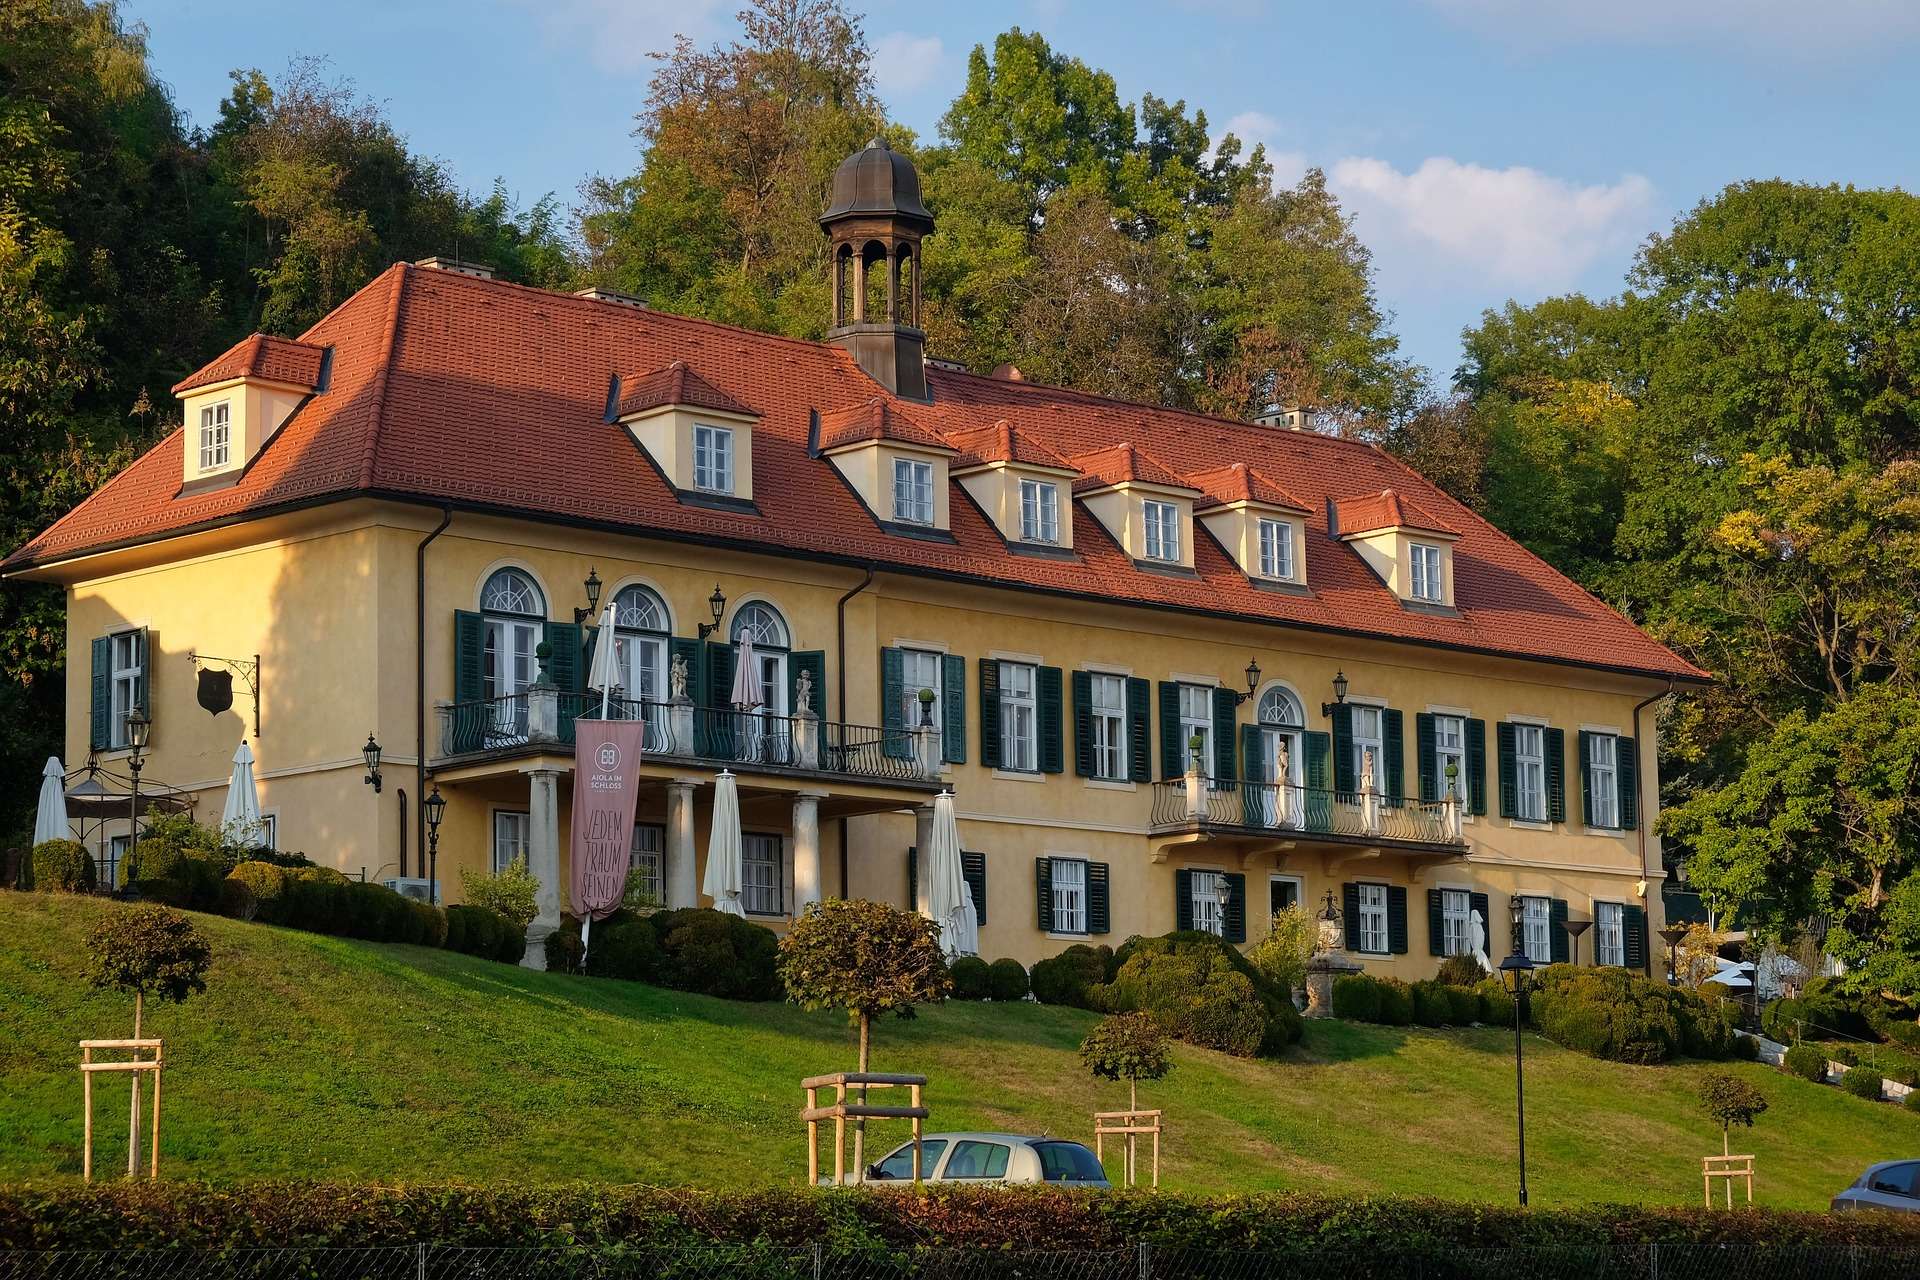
<point>537,721</point>
<point>1200,805</point>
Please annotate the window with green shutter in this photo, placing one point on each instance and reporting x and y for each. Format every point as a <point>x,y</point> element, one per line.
<point>814,663</point>
<point>893,712</point>
<point>471,717</point>
<point>1345,776</point>
<point>1556,740</point>
<point>990,712</point>
<point>973,868</point>
<point>1557,913</point>
<point>1139,730</point>
<point>1173,747</point>
<point>1503,734</point>
<point>100,728</point>
<point>566,668</point>
<point>1477,766</point>
<point>1636,930</point>
<point>1183,900</point>
<point>1393,745</point>
<point>1319,765</point>
<point>1235,912</point>
<point>1627,760</point>
<point>1083,724</point>
<point>1099,899</point>
<point>1225,708</point>
<point>953,695</point>
<point>1426,756</point>
<point>1052,721</point>
<point>1043,893</point>
<point>1396,920</point>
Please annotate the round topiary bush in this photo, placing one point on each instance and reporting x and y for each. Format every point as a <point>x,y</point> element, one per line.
<point>1809,1062</point>
<point>166,872</point>
<point>1396,1003</point>
<point>970,977</point>
<point>476,931</point>
<point>1463,1006</point>
<point>426,924</point>
<point>1431,1008</point>
<point>264,884</point>
<point>716,954</point>
<point>1461,971</point>
<point>1496,1005</point>
<point>1356,997</point>
<point>375,913</point>
<point>626,947</point>
<point>62,866</point>
<point>1189,983</point>
<point>1862,1083</point>
<point>1622,1016</point>
<point>1007,980</point>
<point>1066,979</point>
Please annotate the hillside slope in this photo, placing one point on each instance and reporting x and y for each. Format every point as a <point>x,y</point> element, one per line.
<point>317,1057</point>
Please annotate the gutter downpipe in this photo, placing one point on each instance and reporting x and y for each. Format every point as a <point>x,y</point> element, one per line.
<point>1640,818</point>
<point>840,671</point>
<point>420,691</point>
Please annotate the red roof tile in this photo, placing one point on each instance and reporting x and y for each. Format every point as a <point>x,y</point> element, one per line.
<point>435,376</point>
<point>999,442</point>
<point>677,385</point>
<point>261,355</point>
<point>1122,464</point>
<point>1387,509</point>
<point>874,419</point>
<point>1239,482</point>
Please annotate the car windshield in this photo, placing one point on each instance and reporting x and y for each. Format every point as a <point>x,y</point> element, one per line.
<point>1900,1179</point>
<point>1068,1162</point>
<point>977,1160</point>
<point>900,1163</point>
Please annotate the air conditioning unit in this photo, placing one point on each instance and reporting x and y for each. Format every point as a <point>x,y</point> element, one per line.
<point>423,890</point>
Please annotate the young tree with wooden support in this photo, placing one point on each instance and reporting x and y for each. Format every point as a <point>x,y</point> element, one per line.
<point>1131,1047</point>
<point>1731,1101</point>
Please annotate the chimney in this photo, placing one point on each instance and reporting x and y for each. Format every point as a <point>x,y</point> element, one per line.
<point>596,293</point>
<point>1286,417</point>
<point>478,270</point>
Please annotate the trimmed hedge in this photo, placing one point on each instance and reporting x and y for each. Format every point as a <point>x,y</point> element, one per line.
<point>1068,978</point>
<point>1203,990</point>
<point>267,884</point>
<point>62,866</point>
<point>1356,997</point>
<point>1496,1005</point>
<point>1007,980</point>
<point>969,974</point>
<point>1431,1008</point>
<point>1463,1006</point>
<point>1912,1102</point>
<point>477,931</point>
<point>193,1215</point>
<point>1862,1083</point>
<point>174,874</point>
<point>1622,1016</point>
<point>1806,1061</point>
<point>695,949</point>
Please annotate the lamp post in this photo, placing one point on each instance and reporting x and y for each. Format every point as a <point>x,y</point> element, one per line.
<point>436,808</point>
<point>138,726</point>
<point>1339,694</point>
<point>1516,971</point>
<point>717,603</point>
<point>371,754</point>
<point>1574,929</point>
<point>1671,935</point>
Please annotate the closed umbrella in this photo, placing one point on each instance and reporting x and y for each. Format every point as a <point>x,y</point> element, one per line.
<point>949,899</point>
<point>745,697</point>
<point>241,817</point>
<point>605,671</point>
<point>724,874</point>
<point>50,821</point>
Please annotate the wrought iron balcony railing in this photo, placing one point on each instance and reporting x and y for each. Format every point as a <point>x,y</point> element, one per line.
<point>1282,807</point>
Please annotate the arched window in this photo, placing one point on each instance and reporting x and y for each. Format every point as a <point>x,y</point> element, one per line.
<point>514,609</point>
<point>762,624</point>
<point>640,644</point>
<point>637,608</point>
<point>511,591</point>
<point>1279,706</point>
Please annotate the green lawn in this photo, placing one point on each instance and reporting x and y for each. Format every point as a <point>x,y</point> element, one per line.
<point>316,1057</point>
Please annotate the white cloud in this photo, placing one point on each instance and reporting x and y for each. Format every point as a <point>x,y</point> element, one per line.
<point>1447,223</point>
<point>904,63</point>
<point>1775,25</point>
<point>1257,127</point>
<point>617,35</point>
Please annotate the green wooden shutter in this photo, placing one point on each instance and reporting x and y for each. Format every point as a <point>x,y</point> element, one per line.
<point>913,878</point>
<point>1584,745</point>
<point>1477,766</point>
<point>1319,750</point>
<point>814,661</point>
<point>990,712</point>
<point>100,725</point>
<point>1225,707</point>
<point>1436,923</point>
<point>1236,912</point>
<point>1343,779</point>
<point>1052,717</point>
<point>1083,723</point>
<point>1099,899</point>
<point>1426,752</point>
<point>953,725</point>
<point>1634,925</point>
<point>1557,929</point>
<point>1627,767</point>
<point>1393,741</point>
<point>143,684</point>
<point>1139,729</point>
<point>1253,760</point>
<point>1396,920</point>
<point>1183,900</point>
<point>567,669</point>
<point>1556,747</point>
<point>973,868</point>
<point>1173,748</point>
<point>691,652</point>
<point>1350,915</point>
<point>717,670</point>
<point>893,712</point>
<point>1043,892</point>
<point>470,714</point>
<point>1509,789</point>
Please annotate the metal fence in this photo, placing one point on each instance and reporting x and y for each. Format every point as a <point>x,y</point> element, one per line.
<point>1265,806</point>
<point>823,1262</point>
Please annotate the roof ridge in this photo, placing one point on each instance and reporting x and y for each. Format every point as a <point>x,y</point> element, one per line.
<point>377,405</point>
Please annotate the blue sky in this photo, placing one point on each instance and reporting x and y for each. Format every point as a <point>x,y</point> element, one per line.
<point>1489,149</point>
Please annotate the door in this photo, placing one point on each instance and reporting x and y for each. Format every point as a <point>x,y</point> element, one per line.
<point>510,666</point>
<point>1284,804</point>
<point>1283,894</point>
<point>642,663</point>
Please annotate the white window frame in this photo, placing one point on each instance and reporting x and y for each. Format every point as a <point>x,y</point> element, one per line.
<point>1603,780</point>
<point>1198,723</point>
<point>1161,522</point>
<point>1208,901</point>
<point>910,685</point>
<point>1374,737</point>
<point>1610,934</point>
<point>763,879</point>
<point>216,435</point>
<point>1424,577</point>
<point>1375,924</point>
<point>912,491</point>
<point>518,843</point>
<point>1536,928</point>
<point>267,832</point>
<point>1456,922</point>
<point>1068,892</point>
<point>1040,512</point>
<point>712,458</point>
<point>1019,717</point>
<point>1109,715</point>
<point>1276,549</point>
<point>129,677</point>
<point>648,866</point>
<point>1529,772</point>
<point>1450,746</point>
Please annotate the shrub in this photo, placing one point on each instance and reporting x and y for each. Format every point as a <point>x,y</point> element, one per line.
<point>374,912</point>
<point>970,977</point>
<point>1461,971</point>
<point>62,866</point>
<point>176,874</point>
<point>1463,1006</point>
<point>564,947</point>
<point>1431,1008</point>
<point>315,899</point>
<point>1843,1055</point>
<point>1249,1015</point>
<point>148,951</point>
<point>1862,1083</point>
<point>627,947</point>
<point>1821,1009</point>
<point>1496,1006</point>
<point>716,954</point>
<point>266,885</point>
<point>1744,1048</point>
<point>1007,980</point>
<point>1281,956</point>
<point>1807,1061</point>
<point>236,900</point>
<point>426,924</point>
<point>1356,997</point>
<point>477,931</point>
<point>1901,1073</point>
<point>1067,978</point>
<point>1396,1003</point>
<point>1622,1016</point>
<point>512,891</point>
<point>1912,1101</point>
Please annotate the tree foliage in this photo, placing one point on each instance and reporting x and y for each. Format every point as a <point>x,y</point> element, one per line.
<point>1728,1100</point>
<point>1127,1046</point>
<point>149,951</point>
<point>865,957</point>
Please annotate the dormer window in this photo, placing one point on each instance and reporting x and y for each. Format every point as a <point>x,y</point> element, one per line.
<point>912,491</point>
<point>712,458</point>
<point>1276,549</point>
<point>1256,522</point>
<point>1424,564</point>
<point>1406,546</point>
<point>1163,530</point>
<point>216,435</point>
<point>1039,512</point>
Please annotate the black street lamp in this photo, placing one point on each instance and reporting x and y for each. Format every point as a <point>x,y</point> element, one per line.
<point>138,726</point>
<point>435,806</point>
<point>1516,973</point>
<point>717,602</point>
<point>1339,693</point>
<point>1574,929</point>
<point>1671,935</point>
<point>371,754</point>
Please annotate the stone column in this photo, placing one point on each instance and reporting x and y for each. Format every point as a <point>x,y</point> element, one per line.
<point>1196,791</point>
<point>923,849</point>
<point>543,859</point>
<point>682,885</point>
<point>680,727</point>
<point>806,849</point>
<point>543,711</point>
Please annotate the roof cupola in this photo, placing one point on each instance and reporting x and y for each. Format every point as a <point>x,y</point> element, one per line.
<point>875,220</point>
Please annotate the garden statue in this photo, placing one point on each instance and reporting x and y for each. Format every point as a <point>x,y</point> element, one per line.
<point>1327,963</point>
<point>677,678</point>
<point>1479,926</point>
<point>803,692</point>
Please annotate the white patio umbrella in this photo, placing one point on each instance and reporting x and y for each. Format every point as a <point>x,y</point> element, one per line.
<point>949,900</point>
<point>50,821</point>
<point>242,814</point>
<point>746,681</point>
<point>724,875</point>
<point>605,671</point>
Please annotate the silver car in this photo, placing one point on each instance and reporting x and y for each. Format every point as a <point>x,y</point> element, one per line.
<point>1891,1184</point>
<point>991,1158</point>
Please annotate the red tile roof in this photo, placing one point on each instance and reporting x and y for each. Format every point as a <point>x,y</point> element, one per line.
<point>875,418</point>
<point>436,376</point>
<point>1239,482</point>
<point>1122,464</point>
<point>1387,509</point>
<point>999,442</point>
<point>678,385</point>
<point>261,356</point>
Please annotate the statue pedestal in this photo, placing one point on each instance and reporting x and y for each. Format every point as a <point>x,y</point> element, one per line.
<point>1322,969</point>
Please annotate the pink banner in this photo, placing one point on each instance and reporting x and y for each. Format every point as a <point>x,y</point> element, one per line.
<point>604,795</point>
